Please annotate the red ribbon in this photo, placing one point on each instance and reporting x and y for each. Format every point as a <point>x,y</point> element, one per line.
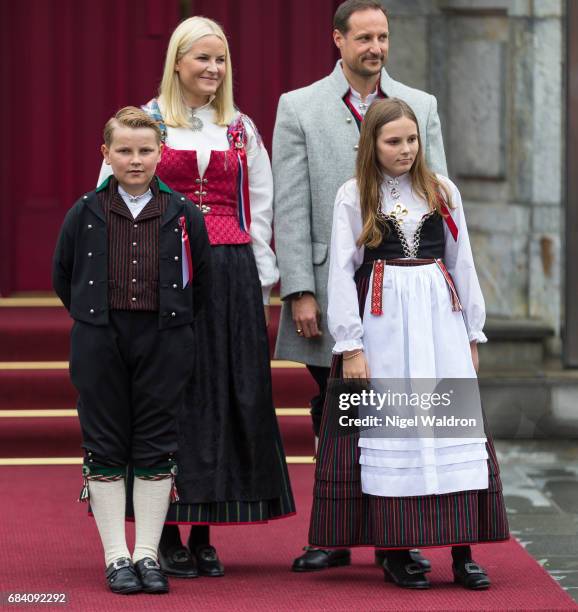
<point>377,288</point>
<point>186,257</point>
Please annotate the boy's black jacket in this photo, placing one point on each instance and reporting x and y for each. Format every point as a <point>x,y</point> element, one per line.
<point>84,231</point>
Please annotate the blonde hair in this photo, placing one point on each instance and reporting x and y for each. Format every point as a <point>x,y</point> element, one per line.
<point>130,117</point>
<point>369,173</point>
<point>171,99</point>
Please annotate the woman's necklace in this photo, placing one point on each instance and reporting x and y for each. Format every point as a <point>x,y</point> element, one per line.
<point>196,123</point>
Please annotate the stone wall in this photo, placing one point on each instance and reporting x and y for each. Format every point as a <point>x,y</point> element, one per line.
<point>496,68</point>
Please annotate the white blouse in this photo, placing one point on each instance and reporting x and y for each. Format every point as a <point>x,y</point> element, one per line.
<point>343,317</point>
<point>213,137</point>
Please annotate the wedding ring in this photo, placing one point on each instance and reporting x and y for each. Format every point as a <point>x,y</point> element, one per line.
<point>299,332</point>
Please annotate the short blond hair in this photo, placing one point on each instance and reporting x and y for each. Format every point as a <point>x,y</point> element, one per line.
<point>130,117</point>
<point>171,99</point>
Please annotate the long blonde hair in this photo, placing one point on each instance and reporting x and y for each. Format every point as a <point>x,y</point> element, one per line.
<point>171,98</point>
<point>369,172</point>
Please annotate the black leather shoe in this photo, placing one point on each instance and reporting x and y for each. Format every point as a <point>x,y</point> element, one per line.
<point>415,555</point>
<point>405,573</point>
<point>151,576</point>
<point>176,561</point>
<point>316,559</point>
<point>122,578</point>
<point>470,575</point>
<point>208,562</point>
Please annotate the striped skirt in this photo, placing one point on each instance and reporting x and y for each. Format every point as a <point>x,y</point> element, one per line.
<point>342,515</point>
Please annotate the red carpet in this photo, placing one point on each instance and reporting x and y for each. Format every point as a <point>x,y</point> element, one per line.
<point>48,544</point>
<point>60,437</point>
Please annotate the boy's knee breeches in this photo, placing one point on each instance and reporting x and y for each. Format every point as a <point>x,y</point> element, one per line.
<point>131,379</point>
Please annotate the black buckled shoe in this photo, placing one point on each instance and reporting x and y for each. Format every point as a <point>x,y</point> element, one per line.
<point>316,559</point>
<point>208,562</point>
<point>405,572</point>
<point>122,578</point>
<point>470,575</point>
<point>415,555</point>
<point>176,561</point>
<point>151,576</point>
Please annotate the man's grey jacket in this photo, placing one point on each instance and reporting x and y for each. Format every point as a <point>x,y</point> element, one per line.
<point>314,150</point>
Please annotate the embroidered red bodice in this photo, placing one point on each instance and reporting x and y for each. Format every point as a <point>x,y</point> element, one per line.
<point>215,194</point>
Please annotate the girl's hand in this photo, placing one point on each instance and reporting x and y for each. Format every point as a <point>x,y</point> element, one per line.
<point>475,358</point>
<point>355,367</point>
<point>267,314</point>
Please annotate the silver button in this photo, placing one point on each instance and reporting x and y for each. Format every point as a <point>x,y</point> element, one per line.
<point>134,244</point>
<point>176,229</point>
<point>356,148</point>
<point>203,193</point>
<point>197,180</point>
<point>91,282</point>
<point>173,314</point>
<point>176,258</point>
<point>133,299</point>
<point>175,286</point>
<point>134,280</point>
<point>89,226</point>
<point>135,225</point>
<point>85,198</point>
<point>91,311</point>
<point>182,199</point>
<point>134,262</point>
<point>90,254</point>
<point>205,180</point>
<point>348,120</point>
<point>197,192</point>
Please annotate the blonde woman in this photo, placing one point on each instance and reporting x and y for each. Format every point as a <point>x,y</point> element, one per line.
<point>232,466</point>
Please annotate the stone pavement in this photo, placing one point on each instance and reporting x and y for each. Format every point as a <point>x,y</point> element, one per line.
<point>540,479</point>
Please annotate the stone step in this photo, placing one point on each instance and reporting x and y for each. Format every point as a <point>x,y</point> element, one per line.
<point>514,343</point>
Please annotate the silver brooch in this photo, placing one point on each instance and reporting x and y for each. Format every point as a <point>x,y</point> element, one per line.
<point>195,123</point>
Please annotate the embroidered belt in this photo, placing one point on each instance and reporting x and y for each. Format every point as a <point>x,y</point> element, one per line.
<point>377,283</point>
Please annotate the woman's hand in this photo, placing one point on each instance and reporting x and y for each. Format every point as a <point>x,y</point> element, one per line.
<point>475,358</point>
<point>355,367</point>
<point>267,309</point>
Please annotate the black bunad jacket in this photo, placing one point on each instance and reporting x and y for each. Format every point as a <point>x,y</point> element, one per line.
<point>80,265</point>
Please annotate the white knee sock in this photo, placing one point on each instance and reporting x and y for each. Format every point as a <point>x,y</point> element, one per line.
<point>151,500</point>
<point>107,501</point>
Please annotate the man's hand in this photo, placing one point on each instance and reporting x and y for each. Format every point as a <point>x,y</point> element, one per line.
<point>306,315</point>
<point>475,358</point>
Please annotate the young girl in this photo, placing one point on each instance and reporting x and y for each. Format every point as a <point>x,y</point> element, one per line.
<point>400,257</point>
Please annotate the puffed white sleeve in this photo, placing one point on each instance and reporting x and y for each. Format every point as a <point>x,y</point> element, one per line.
<point>343,307</point>
<point>105,172</point>
<point>460,264</point>
<point>261,198</point>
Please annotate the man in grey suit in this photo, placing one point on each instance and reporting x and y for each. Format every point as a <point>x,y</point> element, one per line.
<point>314,149</point>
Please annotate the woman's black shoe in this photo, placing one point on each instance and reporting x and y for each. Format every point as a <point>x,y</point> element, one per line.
<point>470,575</point>
<point>399,568</point>
<point>122,578</point>
<point>316,559</point>
<point>414,553</point>
<point>176,561</point>
<point>151,576</point>
<point>208,562</point>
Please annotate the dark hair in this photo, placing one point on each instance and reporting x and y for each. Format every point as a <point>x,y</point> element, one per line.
<point>347,8</point>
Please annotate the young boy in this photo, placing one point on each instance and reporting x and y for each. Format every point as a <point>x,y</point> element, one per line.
<point>132,267</point>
